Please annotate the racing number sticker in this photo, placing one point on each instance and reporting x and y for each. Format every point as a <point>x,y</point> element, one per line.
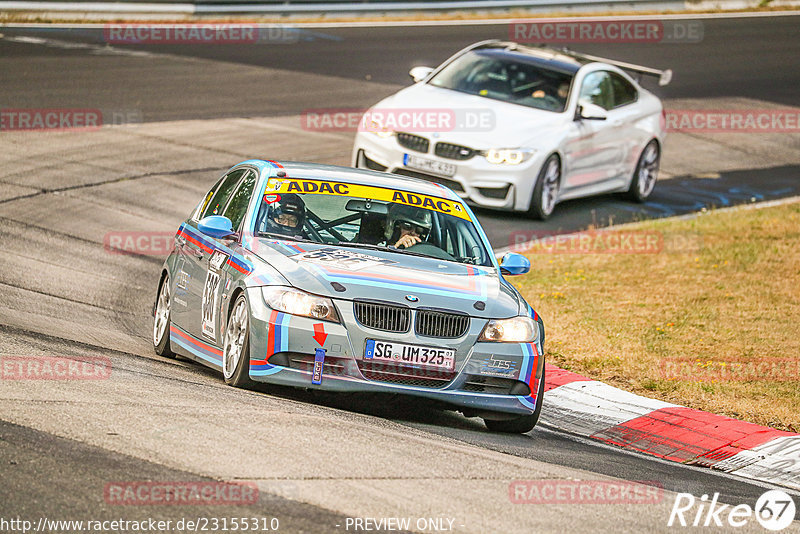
<point>211,293</point>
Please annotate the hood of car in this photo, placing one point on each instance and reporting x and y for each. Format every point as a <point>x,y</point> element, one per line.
<point>414,281</point>
<point>480,123</point>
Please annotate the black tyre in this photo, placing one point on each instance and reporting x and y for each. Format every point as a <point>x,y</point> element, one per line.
<point>545,193</point>
<point>646,173</point>
<point>236,346</point>
<point>523,424</point>
<point>161,319</point>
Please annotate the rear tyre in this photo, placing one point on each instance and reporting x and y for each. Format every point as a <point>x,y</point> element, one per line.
<point>161,320</point>
<point>236,346</point>
<point>523,424</point>
<point>543,200</point>
<point>646,173</point>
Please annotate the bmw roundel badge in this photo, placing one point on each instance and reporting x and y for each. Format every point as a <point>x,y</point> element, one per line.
<point>412,298</point>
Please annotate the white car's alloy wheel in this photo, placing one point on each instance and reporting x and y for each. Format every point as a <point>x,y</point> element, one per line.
<point>235,338</point>
<point>550,186</point>
<point>161,319</point>
<point>648,170</point>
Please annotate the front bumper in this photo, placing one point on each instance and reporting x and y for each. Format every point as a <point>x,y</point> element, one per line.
<point>499,186</point>
<point>488,377</point>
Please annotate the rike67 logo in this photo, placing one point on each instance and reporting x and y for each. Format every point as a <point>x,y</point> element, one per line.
<point>774,510</point>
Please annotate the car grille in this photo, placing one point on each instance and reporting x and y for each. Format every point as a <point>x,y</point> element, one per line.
<point>305,362</point>
<point>494,192</point>
<point>383,316</point>
<point>450,151</point>
<point>452,184</point>
<point>490,384</point>
<point>441,324</point>
<point>407,376</point>
<point>413,142</point>
<point>371,164</point>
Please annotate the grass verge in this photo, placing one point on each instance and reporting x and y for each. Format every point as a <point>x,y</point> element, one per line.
<point>702,312</point>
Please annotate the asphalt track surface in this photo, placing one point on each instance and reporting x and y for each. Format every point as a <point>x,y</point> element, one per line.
<point>163,420</point>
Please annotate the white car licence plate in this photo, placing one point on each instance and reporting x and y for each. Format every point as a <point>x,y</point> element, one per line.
<point>413,355</point>
<point>429,165</point>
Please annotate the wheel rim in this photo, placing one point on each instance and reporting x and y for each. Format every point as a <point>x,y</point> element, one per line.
<point>161,318</point>
<point>648,170</point>
<point>234,338</point>
<point>550,187</point>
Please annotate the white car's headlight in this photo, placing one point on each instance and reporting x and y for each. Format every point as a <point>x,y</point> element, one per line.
<point>521,329</point>
<point>296,302</point>
<point>509,156</point>
<point>373,124</point>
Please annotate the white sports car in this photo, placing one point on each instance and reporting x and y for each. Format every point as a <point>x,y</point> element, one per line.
<point>520,128</point>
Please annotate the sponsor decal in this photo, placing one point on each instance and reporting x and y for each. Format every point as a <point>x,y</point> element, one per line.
<point>347,260</point>
<point>320,187</point>
<point>498,367</point>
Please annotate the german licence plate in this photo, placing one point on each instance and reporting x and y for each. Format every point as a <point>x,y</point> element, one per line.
<point>412,355</point>
<point>429,165</point>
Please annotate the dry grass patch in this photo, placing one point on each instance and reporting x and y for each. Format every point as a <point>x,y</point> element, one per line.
<point>722,297</point>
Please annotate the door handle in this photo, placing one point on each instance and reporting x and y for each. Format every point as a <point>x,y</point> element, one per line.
<point>617,122</point>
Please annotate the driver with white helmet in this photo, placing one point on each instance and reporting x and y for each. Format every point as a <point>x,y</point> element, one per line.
<point>406,225</point>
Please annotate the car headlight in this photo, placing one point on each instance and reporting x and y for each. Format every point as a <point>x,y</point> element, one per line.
<point>296,302</point>
<point>521,329</point>
<point>374,125</point>
<point>509,156</point>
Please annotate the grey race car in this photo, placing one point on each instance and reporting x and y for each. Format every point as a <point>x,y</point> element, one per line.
<point>327,277</point>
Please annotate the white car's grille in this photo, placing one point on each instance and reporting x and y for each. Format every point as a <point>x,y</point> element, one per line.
<point>413,142</point>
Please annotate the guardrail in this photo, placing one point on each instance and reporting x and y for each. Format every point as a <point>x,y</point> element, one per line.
<point>302,7</point>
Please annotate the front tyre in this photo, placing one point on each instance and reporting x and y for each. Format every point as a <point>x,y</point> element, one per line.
<point>161,320</point>
<point>543,200</point>
<point>523,424</point>
<point>646,173</point>
<point>236,347</point>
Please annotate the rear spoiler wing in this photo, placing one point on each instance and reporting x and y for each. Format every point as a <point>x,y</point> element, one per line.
<point>664,76</point>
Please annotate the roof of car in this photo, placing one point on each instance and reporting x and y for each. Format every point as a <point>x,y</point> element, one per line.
<point>338,173</point>
<point>541,55</point>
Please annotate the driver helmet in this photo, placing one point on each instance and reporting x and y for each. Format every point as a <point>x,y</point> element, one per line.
<point>287,215</point>
<point>402,215</point>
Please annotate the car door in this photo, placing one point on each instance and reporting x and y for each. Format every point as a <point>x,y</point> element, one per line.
<point>593,151</point>
<point>196,250</point>
<point>220,272</point>
<point>624,117</point>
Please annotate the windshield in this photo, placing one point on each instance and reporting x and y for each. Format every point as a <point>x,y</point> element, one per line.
<point>496,75</point>
<point>338,213</point>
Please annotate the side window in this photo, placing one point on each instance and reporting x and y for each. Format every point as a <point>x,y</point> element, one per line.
<point>598,90</point>
<point>624,91</point>
<point>222,194</point>
<point>237,207</point>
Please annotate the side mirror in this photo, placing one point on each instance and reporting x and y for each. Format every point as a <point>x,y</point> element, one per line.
<point>419,73</point>
<point>513,264</point>
<point>217,226</point>
<point>591,112</point>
